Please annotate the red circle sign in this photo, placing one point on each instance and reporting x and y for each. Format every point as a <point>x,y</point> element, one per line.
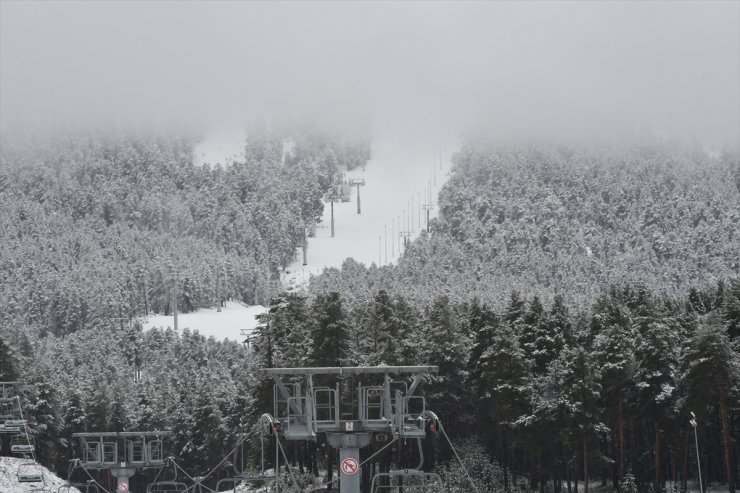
<point>123,486</point>
<point>350,466</point>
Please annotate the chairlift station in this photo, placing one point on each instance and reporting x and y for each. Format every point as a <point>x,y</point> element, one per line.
<point>387,407</point>
<point>123,453</point>
<point>351,406</point>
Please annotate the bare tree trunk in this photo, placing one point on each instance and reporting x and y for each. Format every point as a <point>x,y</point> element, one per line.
<point>505,459</point>
<point>657,457</point>
<point>585,464</point>
<point>329,468</point>
<point>726,438</point>
<point>685,476</point>
<point>621,439</point>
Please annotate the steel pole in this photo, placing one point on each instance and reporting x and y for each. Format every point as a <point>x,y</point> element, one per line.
<point>277,464</point>
<point>698,461</point>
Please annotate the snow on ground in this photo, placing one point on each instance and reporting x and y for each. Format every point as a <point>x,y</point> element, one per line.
<point>224,147</point>
<point>9,479</point>
<point>401,176</point>
<point>396,175</point>
<point>226,324</point>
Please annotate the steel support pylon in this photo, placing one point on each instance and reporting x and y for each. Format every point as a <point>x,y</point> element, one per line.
<point>122,475</point>
<point>349,445</point>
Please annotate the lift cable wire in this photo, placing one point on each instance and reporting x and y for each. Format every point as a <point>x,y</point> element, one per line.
<point>162,469</point>
<point>196,482</point>
<point>287,464</point>
<point>442,429</point>
<point>151,291</point>
<point>91,477</point>
<point>25,429</point>
<point>233,451</point>
<point>319,488</point>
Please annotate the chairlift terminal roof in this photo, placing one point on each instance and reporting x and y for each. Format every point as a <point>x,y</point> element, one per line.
<point>349,370</point>
<point>123,434</point>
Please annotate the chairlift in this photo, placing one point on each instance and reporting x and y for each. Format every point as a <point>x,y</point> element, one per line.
<point>10,423</point>
<point>30,472</point>
<point>407,481</point>
<point>22,444</point>
<point>89,487</point>
<point>268,426</point>
<point>167,487</point>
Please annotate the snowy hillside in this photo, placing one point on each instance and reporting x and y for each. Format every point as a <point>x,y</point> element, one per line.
<point>229,323</point>
<point>222,147</point>
<point>9,479</point>
<point>398,182</point>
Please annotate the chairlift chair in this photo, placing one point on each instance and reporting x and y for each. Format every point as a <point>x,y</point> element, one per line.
<point>407,481</point>
<point>244,478</point>
<point>10,423</point>
<point>30,472</point>
<point>9,429</point>
<point>22,444</point>
<point>167,487</point>
<point>89,487</point>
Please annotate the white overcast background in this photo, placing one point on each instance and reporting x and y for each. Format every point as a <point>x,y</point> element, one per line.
<point>578,67</point>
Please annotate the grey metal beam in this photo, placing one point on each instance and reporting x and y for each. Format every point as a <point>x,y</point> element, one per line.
<point>414,384</point>
<point>107,434</point>
<point>284,390</point>
<point>349,370</point>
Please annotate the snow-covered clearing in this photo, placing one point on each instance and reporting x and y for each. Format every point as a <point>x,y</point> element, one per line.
<point>9,478</point>
<point>226,324</point>
<point>399,180</point>
<point>222,147</point>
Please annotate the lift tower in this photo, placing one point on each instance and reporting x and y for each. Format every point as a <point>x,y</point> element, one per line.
<point>123,453</point>
<point>358,182</point>
<point>384,407</point>
<point>333,196</point>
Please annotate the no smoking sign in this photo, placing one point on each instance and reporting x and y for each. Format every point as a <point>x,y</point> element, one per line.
<point>350,466</point>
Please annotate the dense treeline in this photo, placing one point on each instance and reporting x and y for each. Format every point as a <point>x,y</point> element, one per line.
<point>556,395</point>
<point>119,226</point>
<point>548,376</point>
<point>551,394</point>
<point>565,220</point>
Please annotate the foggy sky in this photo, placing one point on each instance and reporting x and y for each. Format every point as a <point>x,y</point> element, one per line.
<point>672,67</point>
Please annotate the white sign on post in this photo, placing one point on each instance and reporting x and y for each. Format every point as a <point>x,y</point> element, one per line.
<point>350,466</point>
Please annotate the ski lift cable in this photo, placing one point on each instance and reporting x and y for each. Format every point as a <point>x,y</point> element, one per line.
<point>238,444</point>
<point>442,429</point>
<point>25,428</point>
<point>162,469</point>
<point>93,479</point>
<point>198,482</point>
<point>319,488</point>
<point>287,464</point>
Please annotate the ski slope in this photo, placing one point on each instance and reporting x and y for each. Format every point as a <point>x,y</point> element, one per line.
<point>234,319</point>
<point>397,178</point>
<point>402,175</point>
<point>9,480</point>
